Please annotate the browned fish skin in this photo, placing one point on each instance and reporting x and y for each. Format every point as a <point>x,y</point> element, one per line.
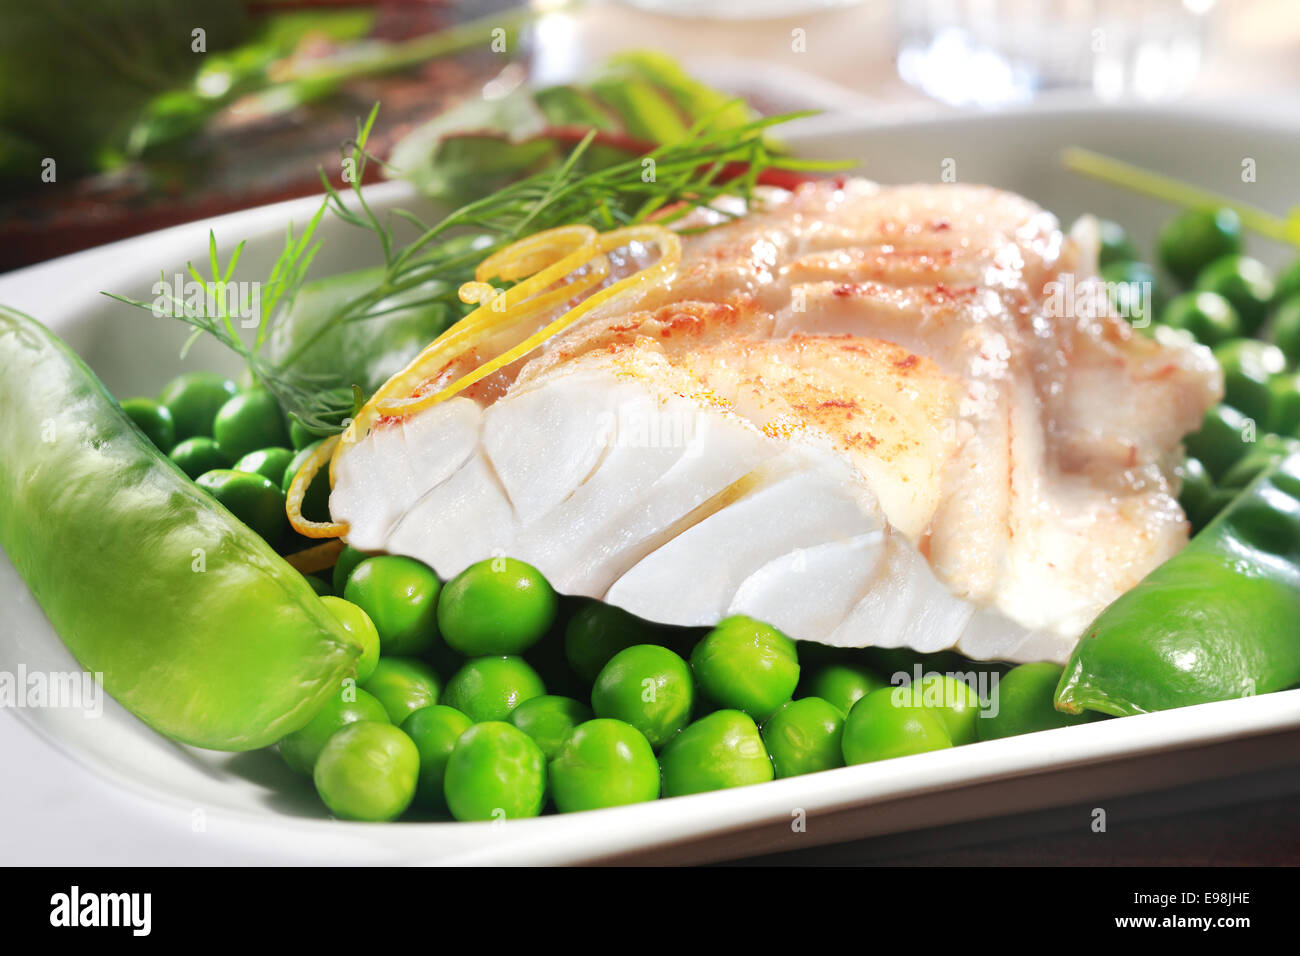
<point>1026,451</point>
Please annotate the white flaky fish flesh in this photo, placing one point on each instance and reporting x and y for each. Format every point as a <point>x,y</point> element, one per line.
<point>867,415</point>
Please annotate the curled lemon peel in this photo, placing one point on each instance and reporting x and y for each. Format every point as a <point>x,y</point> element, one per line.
<point>302,480</point>
<point>545,258</point>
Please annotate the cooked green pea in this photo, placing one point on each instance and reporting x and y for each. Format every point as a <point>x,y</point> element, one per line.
<point>361,629</point>
<point>1134,291</point>
<point>250,498</point>
<point>953,701</point>
<point>401,596</point>
<point>152,419</point>
<point>1196,490</point>
<point>1022,704</point>
<point>597,632</point>
<point>249,421</point>
<point>347,562</point>
<point>1267,451</point>
<point>319,585</point>
<point>549,720</point>
<point>367,771</point>
<point>1288,283</point>
<point>489,688</point>
<point>603,763</point>
<point>721,750</point>
<point>1286,329</point>
<point>1192,240</point>
<point>1284,405</point>
<point>434,730</point>
<point>316,502</point>
<point>495,772</point>
<point>647,686</point>
<point>747,665</point>
<point>1248,365</point>
<point>497,606</point>
<point>270,463</point>
<point>1221,439</point>
<point>403,685</point>
<point>194,456</point>
<point>886,724</point>
<point>1207,315</point>
<point>841,685</point>
<point>1243,281</point>
<point>803,736</point>
<point>350,705</point>
<point>194,398</point>
<point>299,436</point>
<point>1114,244</point>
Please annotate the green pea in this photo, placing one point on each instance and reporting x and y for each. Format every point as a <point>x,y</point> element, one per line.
<point>403,685</point>
<point>152,419</point>
<point>299,436</point>
<point>361,629</point>
<point>1284,404</point>
<point>347,562</point>
<point>597,632</point>
<point>747,665</point>
<point>803,736</point>
<point>434,730</point>
<point>497,606</point>
<point>196,455</point>
<point>647,686</point>
<point>1286,329</point>
<point>319,585</point>
<point>316,502</point>
<point>953,701</point>
<point>367,771</point>
<point>1267,452</point>
<point>250,498</point>
<point>350,705</point>
<point>841,685</point>
<point>249,421</point>
<point>401,596</point>
<point>721,750</point>
<point>1192,240</point>
<point>495,772</point>
<point>1207,315</point>
<point>1288,284</point>
<point>489,688</point>
<point>194,398</point>
<point>1248,365</point>
<point>1115,245</point>
<point>549,720</point>
<point>1243,281</point>
<point>1134,291</point>
<point>1197,487</point>
<point>1022,703</point>
<point>270,463</point>
<point>886,724</point>
<point>603,763</point>
<point>1221,440</point>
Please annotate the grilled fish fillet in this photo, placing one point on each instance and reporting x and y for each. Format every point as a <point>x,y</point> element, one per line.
<point>859,413</point>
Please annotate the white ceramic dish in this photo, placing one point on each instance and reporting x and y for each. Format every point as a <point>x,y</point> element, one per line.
<point>187,805</point>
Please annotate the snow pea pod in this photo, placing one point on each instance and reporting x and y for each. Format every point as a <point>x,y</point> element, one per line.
<point>197,626</point>
<point>1214,622</point>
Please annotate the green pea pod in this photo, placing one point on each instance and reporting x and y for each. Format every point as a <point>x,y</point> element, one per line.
<point>1216,621</point>
<point>198,627</point>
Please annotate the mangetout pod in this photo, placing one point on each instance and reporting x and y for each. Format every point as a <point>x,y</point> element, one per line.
<point>200,629</point>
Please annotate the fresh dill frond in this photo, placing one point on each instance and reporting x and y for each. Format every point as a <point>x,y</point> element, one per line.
<point>667,183</point>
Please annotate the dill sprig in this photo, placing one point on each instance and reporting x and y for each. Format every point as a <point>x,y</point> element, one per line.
<point>668,182</point>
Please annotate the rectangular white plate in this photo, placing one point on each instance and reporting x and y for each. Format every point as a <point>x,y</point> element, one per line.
<point>253,810</point>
